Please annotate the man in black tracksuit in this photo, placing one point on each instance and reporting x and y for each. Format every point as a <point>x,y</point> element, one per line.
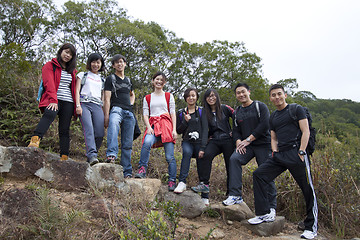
<point>288,143</point>
<point>252,137</point>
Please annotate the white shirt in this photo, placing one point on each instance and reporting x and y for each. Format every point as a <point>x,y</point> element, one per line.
<point>158,105</point>
<point>92,87</point>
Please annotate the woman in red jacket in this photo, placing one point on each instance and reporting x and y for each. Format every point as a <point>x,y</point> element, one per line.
<point>59,81</point>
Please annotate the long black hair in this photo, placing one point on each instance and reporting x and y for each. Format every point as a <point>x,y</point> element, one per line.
<point>207,107</point>
<point>71,65</point>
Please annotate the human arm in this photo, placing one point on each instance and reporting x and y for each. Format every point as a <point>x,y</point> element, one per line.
<point>173,120</point>
<point>274,142</point>
<point>106,107</point>
<point>304,127</point>
<point>204,133</point>
<point>182,122</point>
<point>132,97</point>
<point>77,96</point>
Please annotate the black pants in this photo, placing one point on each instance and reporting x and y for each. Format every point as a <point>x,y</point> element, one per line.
<point>300,170</point>
<point>65,112</point>
<point>214,148</point>
<point>237,160</point>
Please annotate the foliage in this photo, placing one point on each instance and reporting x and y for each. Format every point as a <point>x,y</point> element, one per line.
<point>50,222</point>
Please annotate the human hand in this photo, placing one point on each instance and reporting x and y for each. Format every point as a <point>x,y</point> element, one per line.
<point>52,107</point>
<point>79,110</point>
<point>150,131</point>
<point>187,117</point>
<point>201,154</point>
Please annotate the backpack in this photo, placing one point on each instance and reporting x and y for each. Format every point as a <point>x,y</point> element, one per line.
<point>41,86</point>
<point>257,110</point>
<point>83,81</point>
<point>312,139</point>
<point>167,97</point>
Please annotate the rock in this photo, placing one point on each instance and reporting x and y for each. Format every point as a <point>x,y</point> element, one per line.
<point>69,175</point>
<point>146,189</point>
<point>217,234</point>
<point>236,212</point>
<point>104,175</point>
<point>22,162</point>
<point>191,203</point>
<point>267,228</point>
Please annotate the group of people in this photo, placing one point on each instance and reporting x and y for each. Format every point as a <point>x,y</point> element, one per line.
<point>277,142</point>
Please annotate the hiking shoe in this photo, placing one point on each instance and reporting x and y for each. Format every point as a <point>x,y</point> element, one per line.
<point>128,176</point>
<point>171,186</point>
<point>181,187</point>
<point>263,218</point>
<point>141,173</point>
<point>206,201</point>
<point>110,159</point>
<point>231,200</point>
<point>273,212</point>
<point>64,157</point>
<point>93,161</point>
<point>201,188</point>
<point>34,142</point>
<point>308,234</point>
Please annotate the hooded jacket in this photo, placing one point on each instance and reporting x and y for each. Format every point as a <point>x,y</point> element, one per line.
<point>51,81</point>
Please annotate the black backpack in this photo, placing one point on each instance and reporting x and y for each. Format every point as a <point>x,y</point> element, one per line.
<point>312,139</point>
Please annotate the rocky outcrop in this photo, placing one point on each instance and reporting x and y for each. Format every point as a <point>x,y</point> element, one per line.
<point>191,203</point>
<point>236,212</point>
<point>268,228</point>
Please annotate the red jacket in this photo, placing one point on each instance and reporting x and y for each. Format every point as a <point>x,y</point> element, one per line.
<point>51,81</point>
<point>162,127</point>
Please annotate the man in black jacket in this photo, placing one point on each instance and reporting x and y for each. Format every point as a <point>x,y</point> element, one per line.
<point>252,137</point>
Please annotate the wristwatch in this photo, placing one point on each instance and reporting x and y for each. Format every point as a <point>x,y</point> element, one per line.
<point>248,139</point>
<point>301,152</point>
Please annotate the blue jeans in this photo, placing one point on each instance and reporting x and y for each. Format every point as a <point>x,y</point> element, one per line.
<point>119,117</point>
<point>169,154</point>
<point>189,149</point>
<point>92,121</point>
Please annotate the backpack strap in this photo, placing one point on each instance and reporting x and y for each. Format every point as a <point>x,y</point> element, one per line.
<point>83,80</point>
<point>167,97</point>
<point>257,108</point>
<point>113,81</point>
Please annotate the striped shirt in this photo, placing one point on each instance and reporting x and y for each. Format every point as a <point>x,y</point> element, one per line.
<point>64,91</point>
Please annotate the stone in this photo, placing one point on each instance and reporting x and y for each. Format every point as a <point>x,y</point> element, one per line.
<point>191,203</point>
<point>103,175</point>
<point>217,234</point>
<point>236,212</point>
<point>267,228</point>
<point>146,189</point>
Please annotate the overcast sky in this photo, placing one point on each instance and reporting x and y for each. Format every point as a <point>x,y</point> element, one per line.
<point>314,41</point>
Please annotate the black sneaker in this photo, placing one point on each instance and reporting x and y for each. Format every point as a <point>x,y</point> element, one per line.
<point>201,188</point>
<point>93,161</point>
<point>141,173</point>
<point>110,159</point>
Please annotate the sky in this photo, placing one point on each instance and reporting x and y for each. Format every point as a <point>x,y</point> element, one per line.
<point>315,41</point>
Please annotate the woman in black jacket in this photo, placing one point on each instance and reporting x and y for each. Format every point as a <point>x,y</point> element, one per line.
<point>217,133</point>
<point>188,123</point>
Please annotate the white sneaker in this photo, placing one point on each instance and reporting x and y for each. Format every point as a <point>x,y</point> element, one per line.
<point>231,200</point>
<point>181,187</point>
<point>272,212</point>
<point>259,219</point>
<point>308,234</point>
<point>205,201</point>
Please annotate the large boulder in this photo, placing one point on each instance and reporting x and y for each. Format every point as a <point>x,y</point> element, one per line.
<point>191,203</point>
<point>236,212</point>
<point>103,175</point>
<point>146,189</point>
<point>267,228</point>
